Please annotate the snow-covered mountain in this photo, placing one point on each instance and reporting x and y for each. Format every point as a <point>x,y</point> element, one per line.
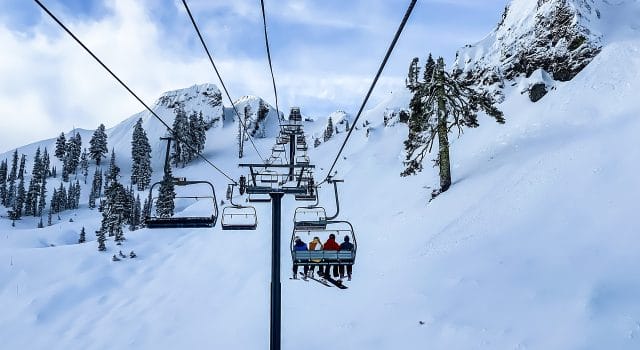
<point>535,245</point>
<point>558,38</point>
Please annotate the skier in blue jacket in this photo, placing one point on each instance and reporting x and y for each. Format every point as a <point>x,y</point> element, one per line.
<point>299,245</point>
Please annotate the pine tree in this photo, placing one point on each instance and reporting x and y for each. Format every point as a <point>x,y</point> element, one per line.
<point>54,205</point>
<point>42,201</point>
<point>197,135</point>
<point>31,202</point>
<point>3,182</point>
<point>84,164</point>
<point>61,147</point>
<point>96,188</point>
<point>263,110</point>
<point>46,163</point>
<point>316,142</point>
<point>83,237</point>
<point>54,172</point>
<point>22,171</point>
<point>114,211</point>
<point>412,82</point>
<point>136,214</point>
<point>180,133</point>
<point>19,203</point>
<point>72,156</point>
<point>119,212</point>
<point>328,132</point>
<point>141,157</point>
<point>49,219</point>
<point>65,169</point>
<point>31,199</point>
<point>40,223</point>
<point>100,234</point>
<point>113,173</point>
<point>446,105</point>
<point>164,204</point>
<point>98,144</point>
<point>62,198</point>
<point>146,211</point>
<point>429,68</point>
<point>13,173</point>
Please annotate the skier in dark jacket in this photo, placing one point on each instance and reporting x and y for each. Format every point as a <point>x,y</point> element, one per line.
<point>331,244</point>
<point>299,245</point>
<point>346,245</point>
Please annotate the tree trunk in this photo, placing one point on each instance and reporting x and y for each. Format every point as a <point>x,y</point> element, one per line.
<point>443,151</point>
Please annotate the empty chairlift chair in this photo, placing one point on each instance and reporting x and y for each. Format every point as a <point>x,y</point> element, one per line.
<point>239,217</point>
<point>302,159</point>
<point>195,220</point>
<point>310,219</point>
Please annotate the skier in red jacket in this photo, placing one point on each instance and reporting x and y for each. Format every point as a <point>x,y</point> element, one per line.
<point>331,244</point>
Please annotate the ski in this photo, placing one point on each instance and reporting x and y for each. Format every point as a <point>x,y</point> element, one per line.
<point>323,282</point>
<point>337,283</point>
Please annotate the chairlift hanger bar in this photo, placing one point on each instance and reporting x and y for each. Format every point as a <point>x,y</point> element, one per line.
<point>45,9</point>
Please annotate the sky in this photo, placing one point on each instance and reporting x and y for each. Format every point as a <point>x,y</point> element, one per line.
<point>324,53</point>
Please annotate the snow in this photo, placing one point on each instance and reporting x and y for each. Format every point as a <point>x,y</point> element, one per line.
<point>533,247</point>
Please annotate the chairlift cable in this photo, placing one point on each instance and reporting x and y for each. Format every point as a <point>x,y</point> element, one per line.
<point>373,85</point>
<point>273,79</point>
<point>266,40</point>
<point>206,49</point>
<point>45,9</point>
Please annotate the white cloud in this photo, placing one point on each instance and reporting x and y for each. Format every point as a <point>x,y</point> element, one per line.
<point>48,84</point>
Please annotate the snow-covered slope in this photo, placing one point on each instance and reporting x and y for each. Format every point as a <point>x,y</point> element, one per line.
<point>534,246</point>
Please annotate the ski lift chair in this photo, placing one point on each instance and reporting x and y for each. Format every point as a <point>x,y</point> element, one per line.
<point>239,217</point>
<point>236,216</point>
<point>302,160</point>
<point>326,257</point>
<point>184,221</point>
<point>310,218</point>
<point>302,147</point>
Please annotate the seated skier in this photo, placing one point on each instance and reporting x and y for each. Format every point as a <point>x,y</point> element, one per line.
<point>316,245</point>
<point>331,244</point>
<point>299,245</point>
<point>346,245</point>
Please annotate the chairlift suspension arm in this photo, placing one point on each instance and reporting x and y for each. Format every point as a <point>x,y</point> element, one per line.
<point>166,156</point>
<point>335,189</point>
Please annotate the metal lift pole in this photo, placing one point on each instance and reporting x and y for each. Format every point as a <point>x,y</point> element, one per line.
<point>166,155</point>
<point>276,216</point>
<point>292,153</point>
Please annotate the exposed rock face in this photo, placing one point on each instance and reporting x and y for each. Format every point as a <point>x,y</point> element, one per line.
<point>554,35</point>
<point>537,92</point>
